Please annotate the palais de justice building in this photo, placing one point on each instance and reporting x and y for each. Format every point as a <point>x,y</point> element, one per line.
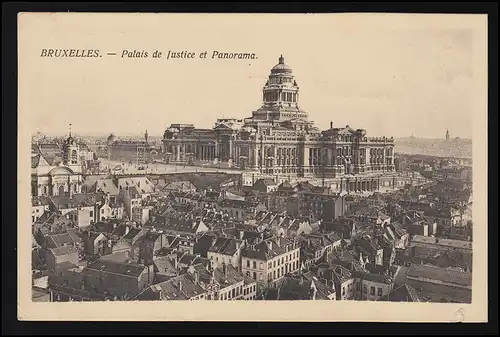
<point>279,141</point>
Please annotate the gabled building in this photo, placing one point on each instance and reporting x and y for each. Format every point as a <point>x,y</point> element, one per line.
<point>403,293</point>
<point>226,251</point>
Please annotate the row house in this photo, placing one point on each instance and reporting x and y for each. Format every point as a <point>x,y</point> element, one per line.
<point>270,260</point>
<point>240,210</point>
<point>226,251</point>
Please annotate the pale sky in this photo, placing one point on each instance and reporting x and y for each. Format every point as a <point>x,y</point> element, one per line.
<point>391,75</point>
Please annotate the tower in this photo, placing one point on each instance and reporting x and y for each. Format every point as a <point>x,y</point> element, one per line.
<point>447,134</point>
<point>146,136</point>
<point>71,156</point>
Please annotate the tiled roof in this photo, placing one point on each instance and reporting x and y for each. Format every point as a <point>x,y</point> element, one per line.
<point>341,274</point>
<point>231,277</point>
<point>242,204</point>
<point>267,249</point>
<point>107,266</point>
<point>182,287</point>
<point>441,274</point>
<point>225,246</point>
<point>77,200</point>
<point>403,293</point>
<point>40,201</point>
<point>59,240</point>
<point>106,186</point>
<point>64,250</point>
<point>323,290</point>
<point>420,239</point>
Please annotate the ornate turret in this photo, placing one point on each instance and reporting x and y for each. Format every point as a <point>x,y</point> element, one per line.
<point>71,154</point>
<point>280,95</point>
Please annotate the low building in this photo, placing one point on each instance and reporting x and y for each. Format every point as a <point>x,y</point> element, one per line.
<point>440,284</point>
<point>374,286</point>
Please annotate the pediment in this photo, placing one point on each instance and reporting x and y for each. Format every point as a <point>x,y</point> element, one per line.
<point>61,171</point>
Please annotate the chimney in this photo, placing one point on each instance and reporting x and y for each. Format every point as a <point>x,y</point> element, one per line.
<point>176,262</point>
<point>180,285</point>
<point>331,125</point>
<point>127,230</point>
<point>242,233</point>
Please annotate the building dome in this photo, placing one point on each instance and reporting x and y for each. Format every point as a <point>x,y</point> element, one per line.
<point>281,67</point>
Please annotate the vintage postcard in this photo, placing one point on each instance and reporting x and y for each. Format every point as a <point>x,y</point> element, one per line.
<point>252,167</point>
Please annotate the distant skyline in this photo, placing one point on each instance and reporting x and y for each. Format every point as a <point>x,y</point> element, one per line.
<point>390,76</point>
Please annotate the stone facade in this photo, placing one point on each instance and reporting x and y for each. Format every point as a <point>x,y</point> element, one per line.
<point>280,142</point>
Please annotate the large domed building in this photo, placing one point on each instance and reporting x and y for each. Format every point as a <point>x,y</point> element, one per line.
<point>280,142</point>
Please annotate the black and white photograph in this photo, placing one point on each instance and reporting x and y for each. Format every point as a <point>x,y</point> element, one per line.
<point>262,158</point>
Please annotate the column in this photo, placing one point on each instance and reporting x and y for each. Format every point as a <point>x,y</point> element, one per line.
<point>231,155</point>
<point>217,154</point>
<point>305,156</point>
<point>178,152</point>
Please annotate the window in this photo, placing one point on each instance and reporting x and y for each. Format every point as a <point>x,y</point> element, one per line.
<point>269,265</point>
<point>274,264</point>
<point>248,263</point>
<point>254,275</point>
<point>379,291</point>
<point>372,290</point>
<point>261,265</point>
<point>254,265</point>
<point>365,289</point>
<point>91,214</point>
<point>343,291</point>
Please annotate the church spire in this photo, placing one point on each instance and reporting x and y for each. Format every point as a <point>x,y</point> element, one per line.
<point>70,129</point>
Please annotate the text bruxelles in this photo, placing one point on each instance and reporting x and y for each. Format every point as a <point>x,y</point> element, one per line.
<point>95,53</point>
